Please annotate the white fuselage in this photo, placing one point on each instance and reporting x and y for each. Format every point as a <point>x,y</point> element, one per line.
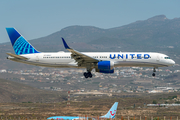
<point>120,59</point>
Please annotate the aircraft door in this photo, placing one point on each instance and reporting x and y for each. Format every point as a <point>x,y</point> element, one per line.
<point>124,57</point>
<point>37,58</point>
<point>158,58</point>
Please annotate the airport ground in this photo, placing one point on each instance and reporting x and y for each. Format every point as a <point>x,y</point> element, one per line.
<point>19,101</point>
<point>129,107</point>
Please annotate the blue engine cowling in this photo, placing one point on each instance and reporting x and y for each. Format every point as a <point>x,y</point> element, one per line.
<point>105,71</point>
<point>105,67</point>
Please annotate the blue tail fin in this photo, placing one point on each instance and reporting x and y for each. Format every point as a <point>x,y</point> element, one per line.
<point>20,45</point>
<point>112,112</point>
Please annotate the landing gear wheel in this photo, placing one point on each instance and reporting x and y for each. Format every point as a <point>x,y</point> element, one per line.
<point>153,74</point>
<point>88,74</point>
<point>85,75</point>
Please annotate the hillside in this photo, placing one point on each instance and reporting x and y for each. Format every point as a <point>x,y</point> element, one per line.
<point>16,92</point>
<point>156,34</point>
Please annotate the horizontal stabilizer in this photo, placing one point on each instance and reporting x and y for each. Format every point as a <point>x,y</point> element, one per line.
<point>17,56</point>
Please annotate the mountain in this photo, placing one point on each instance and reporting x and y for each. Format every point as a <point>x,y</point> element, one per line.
<point>147,35</point>
<point>156,34</point>
<point>17,92</point>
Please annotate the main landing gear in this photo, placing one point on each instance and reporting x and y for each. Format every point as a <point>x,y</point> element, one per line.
<point>154,70</point>
<point>87,74</point>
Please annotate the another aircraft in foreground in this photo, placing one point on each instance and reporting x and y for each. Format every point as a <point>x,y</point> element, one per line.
<point>103,62</point>
<point>111,114</point>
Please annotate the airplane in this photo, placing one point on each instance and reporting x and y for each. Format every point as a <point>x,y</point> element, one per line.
<point>103,62</point>
<point>110,114</point>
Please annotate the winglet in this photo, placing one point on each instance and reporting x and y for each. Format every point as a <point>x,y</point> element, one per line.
<point>65,44</point>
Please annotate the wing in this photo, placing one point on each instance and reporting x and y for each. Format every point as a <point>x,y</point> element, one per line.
<point>80,58</point>
<point>17,56</point>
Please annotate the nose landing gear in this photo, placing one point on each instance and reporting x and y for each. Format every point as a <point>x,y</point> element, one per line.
<point>154,70</point>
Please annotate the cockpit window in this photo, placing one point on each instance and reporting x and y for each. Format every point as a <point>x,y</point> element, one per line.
<point>166,57</point>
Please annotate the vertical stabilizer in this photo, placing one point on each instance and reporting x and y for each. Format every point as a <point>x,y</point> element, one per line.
<point>20,45</point>
<point>112,112</point>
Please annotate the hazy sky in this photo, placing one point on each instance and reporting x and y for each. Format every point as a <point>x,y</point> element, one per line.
<point>39,18</point>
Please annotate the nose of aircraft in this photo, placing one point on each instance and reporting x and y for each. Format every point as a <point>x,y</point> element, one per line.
<point>172,62</point>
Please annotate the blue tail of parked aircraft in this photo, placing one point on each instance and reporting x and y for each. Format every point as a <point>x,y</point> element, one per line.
<point>20,45</point>
<point>112,112</point>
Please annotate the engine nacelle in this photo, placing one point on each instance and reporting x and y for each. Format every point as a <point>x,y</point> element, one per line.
<point>105,67</point>
<point>105,71</point>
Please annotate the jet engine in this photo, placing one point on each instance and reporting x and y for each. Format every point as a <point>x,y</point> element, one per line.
<point>105,67</point>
